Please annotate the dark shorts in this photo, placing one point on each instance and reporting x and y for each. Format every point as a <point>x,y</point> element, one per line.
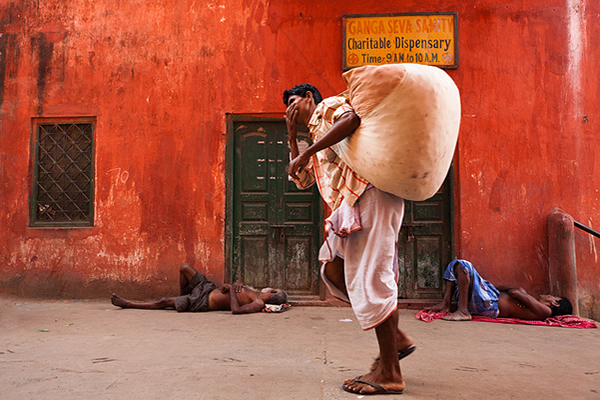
<point>196,295</point>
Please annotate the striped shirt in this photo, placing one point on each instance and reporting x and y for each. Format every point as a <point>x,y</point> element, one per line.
<point>336,180</point>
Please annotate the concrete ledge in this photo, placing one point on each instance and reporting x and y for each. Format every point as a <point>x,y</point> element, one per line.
<point>416,304</point>
<point>403,304</point>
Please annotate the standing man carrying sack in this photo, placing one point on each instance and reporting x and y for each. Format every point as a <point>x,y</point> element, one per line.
<point>390,137</point>
<point>359,260</point>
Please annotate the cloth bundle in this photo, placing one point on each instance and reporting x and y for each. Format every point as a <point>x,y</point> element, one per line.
<point>410,117</point>
<point>276,308</point>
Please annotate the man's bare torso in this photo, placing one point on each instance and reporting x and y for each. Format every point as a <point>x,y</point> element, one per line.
<point>218,300</point>
<point>511,308</point>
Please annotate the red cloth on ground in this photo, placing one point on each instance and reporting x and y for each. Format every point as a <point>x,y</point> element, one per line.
<point>565,321</point>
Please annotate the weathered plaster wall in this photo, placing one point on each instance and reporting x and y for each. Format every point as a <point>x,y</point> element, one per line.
<point>528,145</point>
<point>160,78</point>
<point>585,205</point>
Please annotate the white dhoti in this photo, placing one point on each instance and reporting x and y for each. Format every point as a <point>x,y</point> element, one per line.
<point>366,237</point>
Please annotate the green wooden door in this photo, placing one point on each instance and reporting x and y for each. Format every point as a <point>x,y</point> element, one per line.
<point>274,227</point>
<point>425,246</point>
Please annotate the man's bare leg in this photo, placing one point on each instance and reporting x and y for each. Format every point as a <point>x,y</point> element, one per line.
<point>387,374</point>
<point>186,273</point>
<point>447,301</point>
<point>166,302</point>
<point>404,342</point>
<point>464,292</point>
<point>334,271</point>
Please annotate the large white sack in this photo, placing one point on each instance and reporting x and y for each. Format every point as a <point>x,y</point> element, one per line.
<point>410,116</point>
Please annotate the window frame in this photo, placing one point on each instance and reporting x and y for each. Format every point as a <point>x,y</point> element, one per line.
<point>35,156</point>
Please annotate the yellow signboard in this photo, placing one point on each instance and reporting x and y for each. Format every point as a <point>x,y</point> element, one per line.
<point>428,38</point>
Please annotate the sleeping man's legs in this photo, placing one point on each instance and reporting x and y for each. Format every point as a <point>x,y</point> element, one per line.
<point>165,302</point>
<point>464,293</point>
<point>186,273</point>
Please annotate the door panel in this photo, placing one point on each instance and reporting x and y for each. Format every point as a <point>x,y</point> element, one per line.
<point>254,248</point>
<point>425,246</point>
<point>275,227</point>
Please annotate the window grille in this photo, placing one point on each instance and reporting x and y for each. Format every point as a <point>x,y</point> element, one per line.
<point>63,188</point>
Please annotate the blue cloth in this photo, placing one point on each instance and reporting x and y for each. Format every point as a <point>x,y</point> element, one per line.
<point>484,296</point>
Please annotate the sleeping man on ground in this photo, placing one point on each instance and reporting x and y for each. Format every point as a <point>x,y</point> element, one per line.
<point>477,296</point>
<point>198,294</point>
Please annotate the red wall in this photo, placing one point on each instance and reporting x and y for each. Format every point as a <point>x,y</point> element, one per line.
<point>161,77</point>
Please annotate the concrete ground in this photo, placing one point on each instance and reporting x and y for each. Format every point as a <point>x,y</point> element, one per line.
<point>93,350</point>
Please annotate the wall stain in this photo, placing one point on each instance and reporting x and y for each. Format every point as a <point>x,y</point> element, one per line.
<point>3,47</point>
<point>45,50</point>
<point>497,192</point>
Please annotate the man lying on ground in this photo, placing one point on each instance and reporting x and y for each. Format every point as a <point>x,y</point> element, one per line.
<point>198,294</point>
<point>477,296</point>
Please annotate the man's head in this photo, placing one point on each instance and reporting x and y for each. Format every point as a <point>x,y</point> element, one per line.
<point>302,90</point>
<point>558,305</point>
<point>274,296</point>
<point>301,101</point>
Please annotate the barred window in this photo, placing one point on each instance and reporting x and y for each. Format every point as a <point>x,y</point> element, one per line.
<point>63,173</point>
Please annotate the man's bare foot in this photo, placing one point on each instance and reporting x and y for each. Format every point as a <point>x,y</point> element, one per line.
<point>352,385</point>
<point>458,315</point>
<point>404,343</point>
<point>401,355</point>
<point>118,301</point>
<point>440,307</point>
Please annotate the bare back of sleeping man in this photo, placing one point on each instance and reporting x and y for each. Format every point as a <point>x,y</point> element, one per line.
<point>515,302</point>
<point>198,294</point>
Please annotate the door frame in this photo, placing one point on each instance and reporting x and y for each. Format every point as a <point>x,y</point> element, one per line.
<point>454,199</point>
<point>231,118</point>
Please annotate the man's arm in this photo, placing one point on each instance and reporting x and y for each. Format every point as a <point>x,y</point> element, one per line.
<point>238,286</point>
<point>256,306</point>
<point>505,288</point>
<point>305,179</point>
<point>538,310</point>
<point>291,122</point>
<point>346,124</point>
